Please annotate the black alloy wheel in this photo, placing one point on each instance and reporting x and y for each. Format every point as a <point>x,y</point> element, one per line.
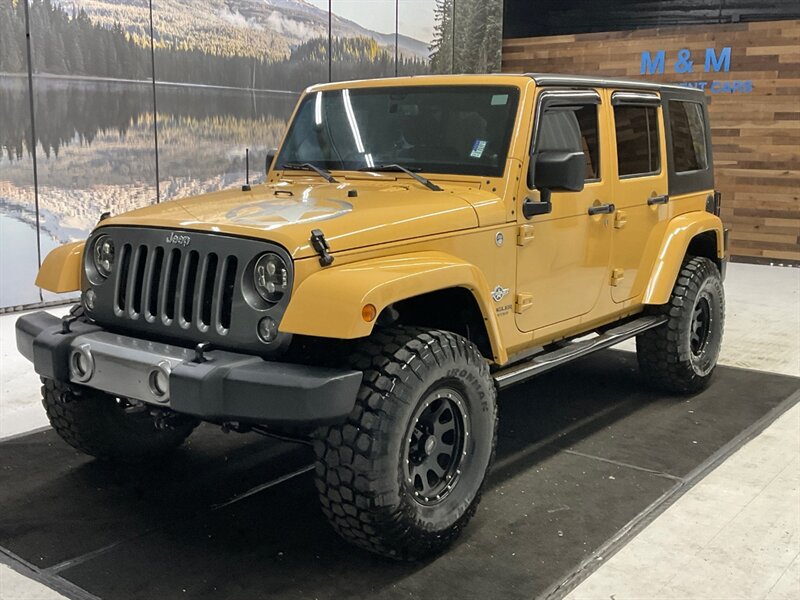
<point>701,325</point>
<point>437,446</point>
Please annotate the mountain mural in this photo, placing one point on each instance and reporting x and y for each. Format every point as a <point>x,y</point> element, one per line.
<point>226,77</point>
<point>258,28</point>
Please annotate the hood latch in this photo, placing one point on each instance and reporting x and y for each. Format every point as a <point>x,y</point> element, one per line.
<point>320,244</point>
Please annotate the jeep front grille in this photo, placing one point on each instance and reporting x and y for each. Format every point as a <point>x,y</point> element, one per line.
<point>174,284</point>
<point>185,287</point>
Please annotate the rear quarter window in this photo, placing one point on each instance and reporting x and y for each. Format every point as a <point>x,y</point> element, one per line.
<point>687,127</point>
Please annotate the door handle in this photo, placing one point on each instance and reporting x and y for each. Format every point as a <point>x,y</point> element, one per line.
<point>658,200</point>
<point>601,209</point>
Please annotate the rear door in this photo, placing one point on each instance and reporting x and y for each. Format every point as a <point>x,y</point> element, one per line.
<point>640,189</point>
<point>563,256</point>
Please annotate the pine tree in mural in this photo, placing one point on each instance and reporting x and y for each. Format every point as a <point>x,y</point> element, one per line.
<point>442,44</point>
<point>467,36</point>
<point>12,37</point>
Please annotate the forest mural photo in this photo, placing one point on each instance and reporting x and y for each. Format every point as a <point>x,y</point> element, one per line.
<point>209,78</point>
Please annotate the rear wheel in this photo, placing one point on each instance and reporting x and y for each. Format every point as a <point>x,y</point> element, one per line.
<point>403,476</point>
<point>681,355</point>
<point>110,428</point>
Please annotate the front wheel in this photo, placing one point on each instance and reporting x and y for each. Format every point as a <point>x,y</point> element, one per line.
<point>680,356</point>
<point>403,476</point>
<point>106,427</point>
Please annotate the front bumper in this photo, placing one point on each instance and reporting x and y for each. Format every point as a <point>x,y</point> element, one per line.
<point>226,386</point>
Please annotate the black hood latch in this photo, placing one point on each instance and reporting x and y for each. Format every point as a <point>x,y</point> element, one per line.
<point>320,244</point>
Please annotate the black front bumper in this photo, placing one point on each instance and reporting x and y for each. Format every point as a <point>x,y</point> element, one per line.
<point>227,386</point>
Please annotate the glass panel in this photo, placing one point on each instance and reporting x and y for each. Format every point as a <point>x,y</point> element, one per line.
<point>572,130</point>
<point>478,35</point>
<point>452,129</point>
<point>590,140</point>
<point>426,37</point>
<point>18,254</point>
<point>637,140</point>
<point>204,135</point>
<point>226,83</point>
<point>95,126</point>
<point>688,136</point>
<point>363,39</point>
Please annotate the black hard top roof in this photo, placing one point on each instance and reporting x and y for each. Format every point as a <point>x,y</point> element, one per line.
<point>605,82</point>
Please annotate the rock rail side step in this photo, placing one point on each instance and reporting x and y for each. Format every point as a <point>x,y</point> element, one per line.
<point>540,363</point>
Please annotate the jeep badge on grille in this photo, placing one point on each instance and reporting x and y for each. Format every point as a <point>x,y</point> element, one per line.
<point>178,239</point>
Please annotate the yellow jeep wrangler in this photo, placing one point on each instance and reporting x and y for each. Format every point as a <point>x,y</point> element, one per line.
<point>418,245</point>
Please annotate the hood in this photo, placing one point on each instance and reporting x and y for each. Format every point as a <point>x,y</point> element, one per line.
<point>286,213</point>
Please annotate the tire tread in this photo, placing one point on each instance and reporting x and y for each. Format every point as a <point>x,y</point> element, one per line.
<point>350,458</point>
<point>82,417</point>
<point>662,357</point>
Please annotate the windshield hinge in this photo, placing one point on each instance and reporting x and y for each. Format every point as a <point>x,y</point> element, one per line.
<point>522,302</point>
<point>524,235</point>
<point>320,244</point>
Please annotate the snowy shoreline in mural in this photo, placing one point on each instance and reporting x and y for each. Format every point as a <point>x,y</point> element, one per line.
<point>95,152</point>
<point>227,77</point>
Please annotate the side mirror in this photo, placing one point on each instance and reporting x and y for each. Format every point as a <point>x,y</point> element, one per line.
<point>554,170</point>
<point>560,171</point>
<point>270,159</point>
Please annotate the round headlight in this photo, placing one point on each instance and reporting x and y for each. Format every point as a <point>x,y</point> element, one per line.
<point>271,277</point>
<point>103,255</point>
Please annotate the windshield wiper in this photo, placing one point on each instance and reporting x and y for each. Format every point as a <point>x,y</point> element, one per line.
<point>395,167</point>
<point>324,173</point>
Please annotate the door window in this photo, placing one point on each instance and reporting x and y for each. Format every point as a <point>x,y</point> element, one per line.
<point>637,140</point>
<point>688,136</point>
<point>572,129</point>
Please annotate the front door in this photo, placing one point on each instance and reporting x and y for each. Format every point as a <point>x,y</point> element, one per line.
<point>563,256</point>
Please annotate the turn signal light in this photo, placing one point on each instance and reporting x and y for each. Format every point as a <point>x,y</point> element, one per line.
<point>369,312</point>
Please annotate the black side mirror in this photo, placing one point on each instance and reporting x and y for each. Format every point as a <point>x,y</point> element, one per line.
<point>560,170</point>
<point>554,170</point>
<point>270,159</point>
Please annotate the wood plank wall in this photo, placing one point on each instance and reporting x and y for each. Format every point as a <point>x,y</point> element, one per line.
<point>756,135</point>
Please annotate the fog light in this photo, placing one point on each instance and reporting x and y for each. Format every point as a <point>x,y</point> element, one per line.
<point>159,381</point>
<point>81,363</point>
<point>89,299</point>
<point>267,329</point>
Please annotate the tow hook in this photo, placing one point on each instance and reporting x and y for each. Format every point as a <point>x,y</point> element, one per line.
<point>200,351</point>
<point>164,420</point>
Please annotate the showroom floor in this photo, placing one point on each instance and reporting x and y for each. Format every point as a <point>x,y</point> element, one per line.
<point>735,534</point>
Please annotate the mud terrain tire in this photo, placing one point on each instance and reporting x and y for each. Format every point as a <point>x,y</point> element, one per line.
<point>680,356</point>
<point>404,474</point>
<point>96,424</point>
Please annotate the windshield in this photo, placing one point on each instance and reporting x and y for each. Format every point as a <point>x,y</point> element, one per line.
<point>437,129</point>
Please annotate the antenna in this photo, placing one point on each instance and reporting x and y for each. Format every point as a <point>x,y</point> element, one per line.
<point>246,186</point>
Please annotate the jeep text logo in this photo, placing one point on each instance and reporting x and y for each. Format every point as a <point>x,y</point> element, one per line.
<point>178,239</point>
<point>685,63</point>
